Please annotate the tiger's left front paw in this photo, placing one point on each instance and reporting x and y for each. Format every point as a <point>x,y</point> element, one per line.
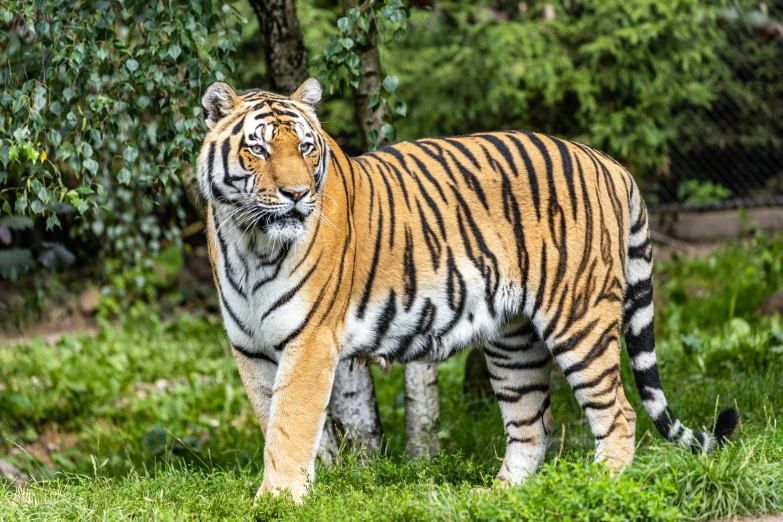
<point>297,492</point>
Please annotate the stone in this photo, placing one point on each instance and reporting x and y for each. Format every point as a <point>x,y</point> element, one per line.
<point>12,473</point>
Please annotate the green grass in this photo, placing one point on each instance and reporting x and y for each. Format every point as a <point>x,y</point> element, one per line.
<point>148,421</point>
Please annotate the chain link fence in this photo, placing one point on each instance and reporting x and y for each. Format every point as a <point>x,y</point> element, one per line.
<point>731,155</point>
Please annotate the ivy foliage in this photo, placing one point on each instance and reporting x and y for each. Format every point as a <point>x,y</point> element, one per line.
<point>100,115</point>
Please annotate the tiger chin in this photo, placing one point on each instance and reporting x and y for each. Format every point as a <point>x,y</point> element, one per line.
<point>531,248</point>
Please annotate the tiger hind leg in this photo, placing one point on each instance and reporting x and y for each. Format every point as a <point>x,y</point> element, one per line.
<point>519,366</point>
<point>589,354</point>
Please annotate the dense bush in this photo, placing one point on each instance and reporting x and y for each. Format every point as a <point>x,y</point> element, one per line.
<point>100,115</point>
<point>611,74</point>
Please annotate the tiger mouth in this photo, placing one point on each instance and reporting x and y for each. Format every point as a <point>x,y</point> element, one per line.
<point>291,217</point>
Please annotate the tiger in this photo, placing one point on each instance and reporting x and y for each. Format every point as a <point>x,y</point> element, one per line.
<point>532,248</point>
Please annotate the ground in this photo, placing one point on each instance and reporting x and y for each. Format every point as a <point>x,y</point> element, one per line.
<point>146,419</point>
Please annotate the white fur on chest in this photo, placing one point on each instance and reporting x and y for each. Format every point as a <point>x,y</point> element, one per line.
<point>258,312</point>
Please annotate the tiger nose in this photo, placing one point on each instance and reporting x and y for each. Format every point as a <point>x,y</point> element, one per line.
<point>295,193</point>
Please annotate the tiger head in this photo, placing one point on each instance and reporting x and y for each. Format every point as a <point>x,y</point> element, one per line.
<point>264,159</point>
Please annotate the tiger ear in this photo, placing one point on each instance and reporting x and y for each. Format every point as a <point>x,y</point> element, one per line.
<point>218,102</point>
<point>309,92</point>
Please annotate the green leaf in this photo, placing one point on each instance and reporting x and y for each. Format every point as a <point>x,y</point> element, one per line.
<point>15,262</point>
<point>56,108</point>
<point>17,222</point>
<point>390,84</point>
<point>400,108</point>
<point>354,63</point>
<point>388,130</point>
<point>397,16</point>
<point>68,94</point>
<point>364,23</point>
<point>130,154</point>
<point>131,64</point>
<point>85,149</point>
<point>344,25</point>
<point>91,165</point>
<point>372,136</point>
<point>21,204</point>
<point>175,51</point>
<point>123,176</point>
<point>55,138</point>
<point>55,256</point>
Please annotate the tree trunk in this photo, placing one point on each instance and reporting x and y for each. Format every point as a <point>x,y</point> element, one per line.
<point>354,408</point>
<point>354,411</point>
<point>284,50</point>
<point>422,410</point>
<point>369,84</point>
<point>476,384</point>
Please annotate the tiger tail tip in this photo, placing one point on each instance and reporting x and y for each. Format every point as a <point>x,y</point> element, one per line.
<point>725,425</point>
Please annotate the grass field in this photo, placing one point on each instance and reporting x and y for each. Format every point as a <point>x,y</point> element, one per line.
<point>147,420</point>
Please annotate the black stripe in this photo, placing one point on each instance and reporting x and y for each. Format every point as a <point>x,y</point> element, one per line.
<point>392,213</point>
<point>541,146</point>
<point>386,317</point>
<point>531,173</point>
<point>430,238</point>
<point>238,127</point>
<point>307,318</point>
<point>515,394</point>
<point>525,365</point>
<point>604,342</point>
<point>532,420</point>
<point>422,190</point>
<point>568,172</point>
<point>253,355</point>
<point>242,326</point>
<point>283,299</point>
<point>573,341</point>
<point>362,308</point>
<point>409,272</point>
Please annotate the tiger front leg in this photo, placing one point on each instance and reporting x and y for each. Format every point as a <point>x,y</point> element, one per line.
<point>258,377</point>
<point>301,393</point>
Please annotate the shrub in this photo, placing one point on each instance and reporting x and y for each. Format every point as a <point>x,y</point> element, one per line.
<point>100,114</point>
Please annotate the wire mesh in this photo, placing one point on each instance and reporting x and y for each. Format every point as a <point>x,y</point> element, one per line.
<point>730,155</point>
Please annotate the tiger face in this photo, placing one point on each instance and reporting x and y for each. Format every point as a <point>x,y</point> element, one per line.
<point>264,160</point>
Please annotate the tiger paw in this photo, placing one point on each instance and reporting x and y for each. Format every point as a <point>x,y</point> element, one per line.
<point>297,493</point>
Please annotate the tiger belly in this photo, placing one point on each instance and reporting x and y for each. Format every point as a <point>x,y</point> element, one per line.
<point>441,320</point>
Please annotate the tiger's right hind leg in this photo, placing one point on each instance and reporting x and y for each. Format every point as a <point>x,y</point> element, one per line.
<point>519,365</point>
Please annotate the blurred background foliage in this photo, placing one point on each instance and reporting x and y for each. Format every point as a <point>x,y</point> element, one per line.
<point>100,116</point>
